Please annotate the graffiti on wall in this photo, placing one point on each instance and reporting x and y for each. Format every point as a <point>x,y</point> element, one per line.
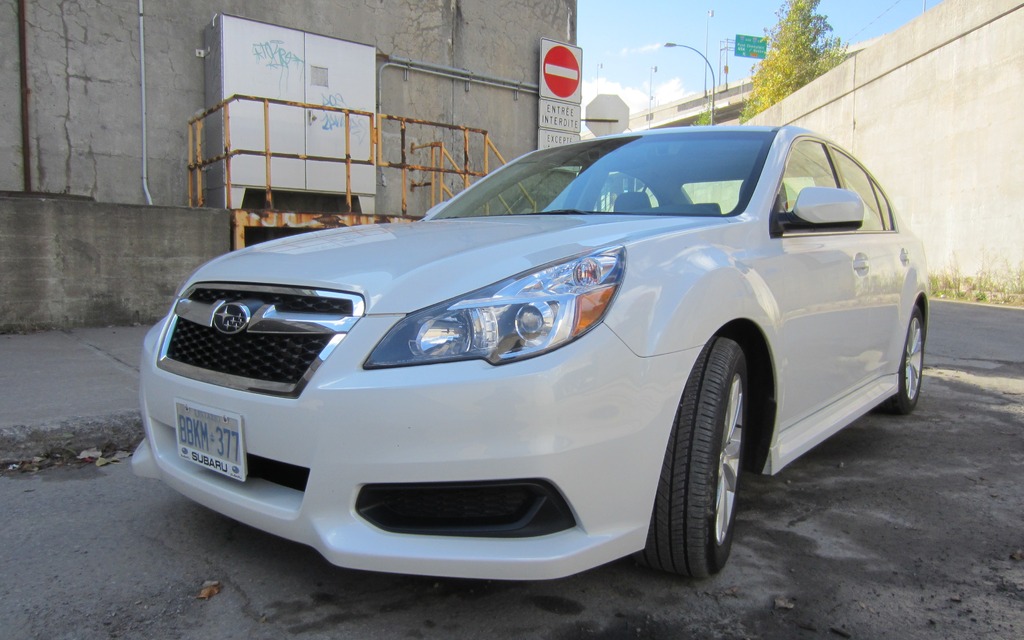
<point>272,55</point>
<point>359,125</point>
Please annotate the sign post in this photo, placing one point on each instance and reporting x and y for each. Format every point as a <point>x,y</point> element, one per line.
<point>558,114</point>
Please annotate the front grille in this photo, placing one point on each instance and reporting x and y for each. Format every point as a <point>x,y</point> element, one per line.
<point>290,302</point>
<point>470,503</point>
<point>508,509</point>
<point>281,337</point>
<point>283,358</point>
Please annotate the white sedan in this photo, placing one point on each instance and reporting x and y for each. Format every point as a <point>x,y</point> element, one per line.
<point>572,361</point>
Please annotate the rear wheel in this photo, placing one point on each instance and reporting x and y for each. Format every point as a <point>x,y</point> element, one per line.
<point>911,368</point>
<point>694,510</point>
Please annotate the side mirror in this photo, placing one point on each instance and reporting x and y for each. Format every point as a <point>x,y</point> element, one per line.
<point>823,209</point>
<point>827,206</point>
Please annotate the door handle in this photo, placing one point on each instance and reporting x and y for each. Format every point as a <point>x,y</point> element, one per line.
<point>860,264</point>
<point>904,257</point>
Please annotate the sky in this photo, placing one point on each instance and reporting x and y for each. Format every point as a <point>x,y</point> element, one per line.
<point>622,41</point>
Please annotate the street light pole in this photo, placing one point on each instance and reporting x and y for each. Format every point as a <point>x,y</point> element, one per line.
<point>650,96</point>
<point>711,70</point>
<point>707,30</point>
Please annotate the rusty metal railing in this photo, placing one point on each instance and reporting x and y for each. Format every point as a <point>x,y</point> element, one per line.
<point>441,163</point>
<point>199,161</point>
<point>478,154</point>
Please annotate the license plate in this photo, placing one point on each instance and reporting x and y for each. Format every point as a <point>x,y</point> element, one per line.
<point>211,438</point>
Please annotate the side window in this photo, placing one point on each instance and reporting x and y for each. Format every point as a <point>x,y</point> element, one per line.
<point>807,166</point>
<point>856,179</point>
<point>886,208</point>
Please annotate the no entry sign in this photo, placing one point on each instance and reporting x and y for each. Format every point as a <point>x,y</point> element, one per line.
<point>560,71</point>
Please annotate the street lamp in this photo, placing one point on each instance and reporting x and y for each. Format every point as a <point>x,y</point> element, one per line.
<point>710,70</point>
<point>707,30</point>
<point>650,96</point>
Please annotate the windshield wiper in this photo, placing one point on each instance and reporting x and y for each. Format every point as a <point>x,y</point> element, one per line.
<point>566,212</point>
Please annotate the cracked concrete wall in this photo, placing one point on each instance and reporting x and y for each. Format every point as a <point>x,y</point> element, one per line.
<point>85,86</point>
<point>71,263</point>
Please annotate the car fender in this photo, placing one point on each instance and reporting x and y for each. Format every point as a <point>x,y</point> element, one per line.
<point>675,300</point>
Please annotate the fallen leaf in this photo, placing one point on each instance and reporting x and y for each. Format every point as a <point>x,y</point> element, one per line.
<point>1017,555</point>
<point>90,453</point>
<point>784,603</point>
<point>121,455</point>
<point>840,632</point>
<point>210,589</point>
<point>731,591</point>
<point>102,462</point>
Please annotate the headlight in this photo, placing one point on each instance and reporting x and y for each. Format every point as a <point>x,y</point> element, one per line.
<point>523,316</point>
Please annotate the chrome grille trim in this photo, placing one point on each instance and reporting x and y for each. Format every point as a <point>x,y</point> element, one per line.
<point>266,320</point>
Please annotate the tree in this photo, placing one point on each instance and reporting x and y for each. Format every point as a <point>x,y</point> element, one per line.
<point>800,48</point>
<point>704,118</point>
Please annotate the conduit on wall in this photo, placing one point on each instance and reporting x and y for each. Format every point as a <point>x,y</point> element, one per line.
<point>455,74</point>
<point>142,90</point>
<point>26,155</point>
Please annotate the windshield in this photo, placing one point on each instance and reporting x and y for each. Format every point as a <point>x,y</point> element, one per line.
<point>689,173</point>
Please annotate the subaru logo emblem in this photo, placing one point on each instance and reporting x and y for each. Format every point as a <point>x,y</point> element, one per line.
<point>231,317</point>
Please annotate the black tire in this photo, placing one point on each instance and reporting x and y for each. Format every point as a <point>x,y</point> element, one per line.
<point>691,527</point>
<point>911,368</point>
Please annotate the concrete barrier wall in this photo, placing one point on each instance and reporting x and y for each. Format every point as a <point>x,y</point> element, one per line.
<point>933,109</point>
<point>67,263</point>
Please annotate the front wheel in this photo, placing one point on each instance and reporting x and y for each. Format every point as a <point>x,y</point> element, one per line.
<point>911,368</point>
<point>694,510</point>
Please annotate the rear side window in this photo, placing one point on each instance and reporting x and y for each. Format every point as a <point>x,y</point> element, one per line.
<point>855,178</point>
<point>808,166</point>
<point>886,208</point>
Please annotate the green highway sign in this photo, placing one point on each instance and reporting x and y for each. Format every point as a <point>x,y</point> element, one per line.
<point>751,46</point>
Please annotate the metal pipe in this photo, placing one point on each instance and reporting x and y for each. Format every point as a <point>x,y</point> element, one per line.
<point>26,153</point>
<point>453,73</point>
<point>142,81</point>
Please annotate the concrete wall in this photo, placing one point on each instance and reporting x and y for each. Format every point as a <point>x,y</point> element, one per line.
<point>933,109</point>
<point>83,58</point>
<point>68,263</point>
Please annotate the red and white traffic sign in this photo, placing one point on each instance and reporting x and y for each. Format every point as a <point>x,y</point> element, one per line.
<point>560,71</point>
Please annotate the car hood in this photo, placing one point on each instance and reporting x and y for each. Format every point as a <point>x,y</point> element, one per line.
<point>399,268</point>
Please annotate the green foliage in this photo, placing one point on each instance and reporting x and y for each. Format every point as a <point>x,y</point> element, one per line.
<point>800,48</point>
<point>703,119</point>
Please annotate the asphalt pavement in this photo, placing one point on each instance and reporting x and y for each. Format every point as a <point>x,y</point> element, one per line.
<point>902,527</point>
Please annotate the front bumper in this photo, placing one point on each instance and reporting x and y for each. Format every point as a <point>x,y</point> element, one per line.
<point>592,419</point>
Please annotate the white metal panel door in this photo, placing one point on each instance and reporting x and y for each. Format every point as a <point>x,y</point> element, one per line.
<point>339,74</point>
<point>264,60</point>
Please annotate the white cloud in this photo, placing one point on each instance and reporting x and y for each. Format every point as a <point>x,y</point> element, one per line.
<point>647,48</point>
<point>637,97</point>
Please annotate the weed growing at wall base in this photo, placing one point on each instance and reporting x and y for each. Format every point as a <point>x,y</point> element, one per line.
<point>1003,286</point>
